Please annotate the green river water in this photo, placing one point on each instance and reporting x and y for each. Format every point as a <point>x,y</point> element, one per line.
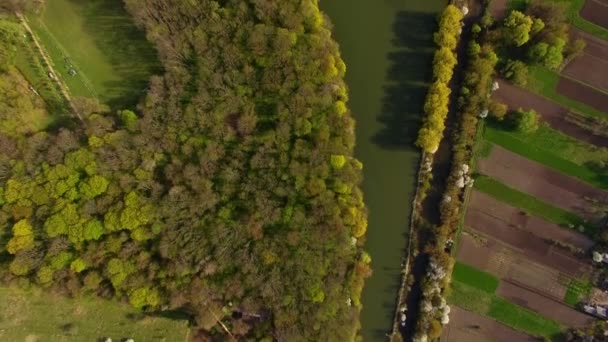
<point>387,47</point>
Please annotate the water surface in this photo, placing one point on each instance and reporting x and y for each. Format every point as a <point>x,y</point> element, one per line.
<point>387,47</point>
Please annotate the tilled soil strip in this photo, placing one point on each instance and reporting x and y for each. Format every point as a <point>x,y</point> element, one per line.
<point>547,307</point>
<point>471,327</point>
<point>480,202</point>
<point>505,262</point>
<point>590,70</point>
<point>532,246</point>
<point>552,113</point>
<point>583,93</point>
<point>596,11</point>
<point>542,182</point>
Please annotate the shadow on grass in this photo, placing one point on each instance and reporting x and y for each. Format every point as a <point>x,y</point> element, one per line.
<point>131,55</point>
<point>407,80</point>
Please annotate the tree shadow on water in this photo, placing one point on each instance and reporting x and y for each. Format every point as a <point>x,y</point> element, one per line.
<point>407,80</point>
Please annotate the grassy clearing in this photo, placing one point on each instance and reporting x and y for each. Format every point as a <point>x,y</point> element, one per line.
<point>29,316</point>
<point>529,204</point>
<point>577,291</point>
<point>503,311</point>
<point>471,276</point>
<point>555,150</point>
<point>111,56</point>
<point>544,82</point>
<point>573,12</point>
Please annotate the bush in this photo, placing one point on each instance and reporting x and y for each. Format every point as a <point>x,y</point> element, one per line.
<point>526,121</point>
<point>516,72</point>
<point>498,110</point>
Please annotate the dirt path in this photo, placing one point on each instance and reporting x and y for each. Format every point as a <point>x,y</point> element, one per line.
<point>49,65</point>
<point>546,306</point>
<point>481,204</point>
<point>542,182</point>
<point>558,117</point>
<point>471,327</point>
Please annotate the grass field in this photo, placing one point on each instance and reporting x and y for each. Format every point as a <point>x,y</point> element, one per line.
<point>30,316</point>
<point>503,311</point>
<point>471,276</point>
<point>530,204</point>
<point>555,150</point>
<point>98,40</point>
<point>577,290</point>
<point>544,82</point>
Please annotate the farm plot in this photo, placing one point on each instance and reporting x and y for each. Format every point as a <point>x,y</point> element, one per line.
<point>468,326</point>
<point>583,93</point>
<point>590,70</point>
<point>596,11</point>
<point>552,113</point>
<point>507,262</point>
<point>535,248</point>
<point>546,306</point>
<point>546,184</point>
<point>482,205</point>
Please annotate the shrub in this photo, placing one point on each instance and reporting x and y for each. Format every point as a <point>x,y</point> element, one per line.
<point>516,72</point>
<point>526,121</point>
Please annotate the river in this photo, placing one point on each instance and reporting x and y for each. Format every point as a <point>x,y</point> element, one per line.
<point>387,46</point>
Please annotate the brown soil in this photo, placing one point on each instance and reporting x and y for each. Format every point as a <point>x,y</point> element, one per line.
<point>471,327</point>
<point>596,11</point>
<point>596,47</point>
<point>481,204</point>
<point>552,113</point>
<point>533,247</point>
<point>498,8</point>
<point>547,307</point>
<point>590,70</point>
<point>507,262</point>
<point>542,182</point>
<point>583,93</point>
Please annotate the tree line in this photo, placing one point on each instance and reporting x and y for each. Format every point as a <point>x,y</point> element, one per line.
<point>438,96</point>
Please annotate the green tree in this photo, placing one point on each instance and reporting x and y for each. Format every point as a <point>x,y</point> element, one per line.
<point>517,27</point>
<point>23,238</point>
<point>527,121</point>
<point>93,186</point>
<point>144,297</point>
<point>516,72</point>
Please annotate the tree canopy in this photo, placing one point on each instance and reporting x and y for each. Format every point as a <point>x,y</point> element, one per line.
<point>231,187</point>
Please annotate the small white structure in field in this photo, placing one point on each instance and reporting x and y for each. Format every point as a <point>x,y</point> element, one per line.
<point>107,339</point>
<point>495,86</point>
<point>129,340</point>
<point>465,10</point>
<point>51,75</point>
<point>349,302</point>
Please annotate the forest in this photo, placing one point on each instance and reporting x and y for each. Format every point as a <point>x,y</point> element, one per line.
<point>230,194</point>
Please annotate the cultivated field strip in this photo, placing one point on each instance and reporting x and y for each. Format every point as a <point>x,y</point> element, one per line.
<point>544,305</point>
<point>596,11</point>
<point>501,213</point>
<point>542,182</point>
<point>471,327</point>
<point>552,113</point>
